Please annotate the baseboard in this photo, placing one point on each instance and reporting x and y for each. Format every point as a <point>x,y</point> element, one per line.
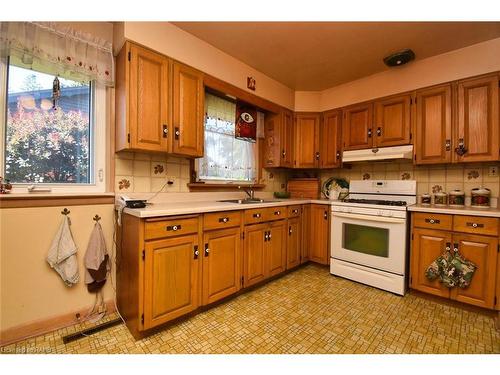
<point>43,326</point>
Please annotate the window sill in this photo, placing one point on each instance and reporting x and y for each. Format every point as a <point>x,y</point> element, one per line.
<point>21,200</point>
<point>198,186</point>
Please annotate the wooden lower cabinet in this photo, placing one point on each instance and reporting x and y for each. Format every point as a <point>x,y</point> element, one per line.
<point>318,234</point>
<point>482,250</point>
<point>171,271</point>
<point>428,244</point>
<point>221,255</point>
<point>294,242</point>
<point>276,248</point>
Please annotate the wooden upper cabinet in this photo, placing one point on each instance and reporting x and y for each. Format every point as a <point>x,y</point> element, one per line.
<point>221,264</point>
<point>427,245</point>
<point>330,140</point>
<point>476,129</point>
<point>278,148</point>
<point>171,271</point>
<point>188,111</point>
<point>482,251</point>
<point>433,125</point>
<point>306,133</point>
<point>392,121</point>
<point>357,129</point>
<point>142,99</point>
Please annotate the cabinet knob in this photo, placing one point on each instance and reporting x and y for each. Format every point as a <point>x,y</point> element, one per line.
<point>379,131</point>
<point>369,133</point>
<point>174,227</point>
<point>337,155</point>
<point>196,252</point>
<point>256,215</point>
<point>325,215</point>
<point>448,246</point>
<point>207,250</point>
<point>277,213</point>
<point>447,145</point>
<point>269,236</point>
<point>223,219</point>
<point>177,133</point>
<point>455,248</point>
<point>317,155</point>
<point>283,153</point>
<point>461,149</point>
<point>295,211</point>
<point>165,131</point>
<point>289,230</point>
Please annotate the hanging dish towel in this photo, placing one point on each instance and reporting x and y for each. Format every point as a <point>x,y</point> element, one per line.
<point>96,260</point>
<point>62,254</point>
<point>452,270</point>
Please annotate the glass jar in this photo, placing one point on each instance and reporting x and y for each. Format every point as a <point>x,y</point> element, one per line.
<point>456,198</point>
<point>480,197</point>
<point>425,199</point>
<point>440,199</point>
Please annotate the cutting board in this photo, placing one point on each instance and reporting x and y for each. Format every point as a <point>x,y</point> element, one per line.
<point>304,188</point>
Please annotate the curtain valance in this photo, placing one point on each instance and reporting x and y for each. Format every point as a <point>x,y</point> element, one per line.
<point>58,50</point>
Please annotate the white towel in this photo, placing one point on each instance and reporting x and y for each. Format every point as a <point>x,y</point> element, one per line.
<point>62,254</point>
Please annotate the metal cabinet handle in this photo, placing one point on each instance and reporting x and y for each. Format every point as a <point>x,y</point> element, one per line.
<point>269,236</point>
<point>432,221</point>
<point>207,250</point>
<point>196,252</point>
<point>447,144</point>
<point>257,215</point>
<point>223,219</point>
<point>379,131</point>
<point>317,155</point>
<point>177,133</point>
<point>369,133</point>
<point>475,225</point>
<point>295,211</point>
<point>461,149</point>
<point>165,131</point>
<point>174,227</point>
<point>277,213</point>
<point>266,238</point>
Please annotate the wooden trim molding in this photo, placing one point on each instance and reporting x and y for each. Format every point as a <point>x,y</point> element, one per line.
<point>24,200</point>
<point>43,326</point>
<point>228,89</point>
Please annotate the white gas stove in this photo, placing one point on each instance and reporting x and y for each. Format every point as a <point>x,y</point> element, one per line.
<point>369,233</point>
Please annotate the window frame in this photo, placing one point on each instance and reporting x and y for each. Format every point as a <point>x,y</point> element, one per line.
<point>97,144</point>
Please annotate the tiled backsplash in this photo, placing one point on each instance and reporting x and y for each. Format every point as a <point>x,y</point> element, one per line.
<point>145,173</point>
<point>433,177</point>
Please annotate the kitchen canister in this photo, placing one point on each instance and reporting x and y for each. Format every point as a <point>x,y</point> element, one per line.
<point>440,198</point>
<point>425,199</point>
<point>456,198</point>
<point>480,197</point>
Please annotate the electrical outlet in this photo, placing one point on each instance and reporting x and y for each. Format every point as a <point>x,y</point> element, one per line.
<point>493,171</point>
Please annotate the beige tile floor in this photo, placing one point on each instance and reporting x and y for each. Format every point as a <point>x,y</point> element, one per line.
<point>306,311</point>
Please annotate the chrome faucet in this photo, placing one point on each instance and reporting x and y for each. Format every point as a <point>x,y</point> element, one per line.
<point>249,191</point>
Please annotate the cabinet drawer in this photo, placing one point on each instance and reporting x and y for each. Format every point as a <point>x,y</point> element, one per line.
<point>476,225</point>
<point>431,220</point>
<point>170,228</point>
<point>257,215</point>
<point>219,220</point>
<point>276,213</point>
<point>294,211</point>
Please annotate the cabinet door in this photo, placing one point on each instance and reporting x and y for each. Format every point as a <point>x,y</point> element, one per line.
<point>306,233</point>
<point>318,251</point>
<point>287,139</point>
<point>392,121</point>
<point>221,264</point>
<point>148,99</point>
<point>171,269</point>
<point>276,248</point>
<point>293,242</point>
<point>306,152</point>
<point>357,132</point>
<point>188,111</point>
<point>255,261</point>
<point>433,125</point>
<point>427,245</point>
<point>482,251</point>
<point>477,125</point>
<point>330,140</point>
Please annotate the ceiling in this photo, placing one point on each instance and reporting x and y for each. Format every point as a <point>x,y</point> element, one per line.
<point>314,56</point>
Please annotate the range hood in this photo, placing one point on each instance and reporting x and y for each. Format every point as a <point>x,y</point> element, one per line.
<point>374,154</point>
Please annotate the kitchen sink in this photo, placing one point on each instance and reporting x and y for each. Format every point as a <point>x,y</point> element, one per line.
<point>248,201</point>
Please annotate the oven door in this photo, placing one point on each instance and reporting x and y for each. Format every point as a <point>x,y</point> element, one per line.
<point>372,241</point>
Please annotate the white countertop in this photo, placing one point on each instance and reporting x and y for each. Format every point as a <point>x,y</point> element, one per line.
<point>197,207</point>
<point>467,210</point>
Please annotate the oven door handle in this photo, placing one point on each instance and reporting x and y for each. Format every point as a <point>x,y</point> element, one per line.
<point>382,219</point>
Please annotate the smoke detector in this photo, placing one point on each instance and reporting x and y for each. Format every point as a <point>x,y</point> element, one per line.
<point>399,58</point>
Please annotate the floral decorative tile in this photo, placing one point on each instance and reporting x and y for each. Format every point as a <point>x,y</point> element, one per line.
<point>437,188</point>
<point>366,176</point>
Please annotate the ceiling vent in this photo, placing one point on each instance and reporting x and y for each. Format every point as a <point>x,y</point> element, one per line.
<point>399,58</point>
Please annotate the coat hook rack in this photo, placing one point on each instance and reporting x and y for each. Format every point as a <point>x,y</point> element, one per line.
<point>96,218</point>
<point>65,211</point>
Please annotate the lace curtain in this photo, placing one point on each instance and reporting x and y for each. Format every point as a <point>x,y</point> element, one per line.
<point>54,49</point>
<point>226,158</point>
